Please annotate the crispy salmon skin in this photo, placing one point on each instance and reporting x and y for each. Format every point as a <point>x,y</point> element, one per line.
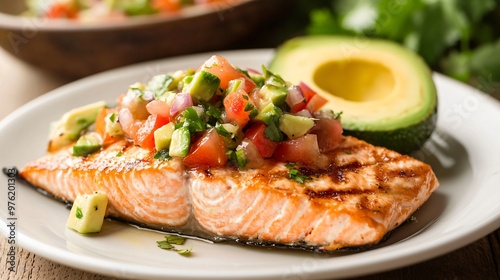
<point>355,199</point>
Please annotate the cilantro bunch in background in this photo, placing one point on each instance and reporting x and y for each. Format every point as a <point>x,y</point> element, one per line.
<point>460,38</point>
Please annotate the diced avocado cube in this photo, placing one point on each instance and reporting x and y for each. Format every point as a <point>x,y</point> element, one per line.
<point>112,125</point>
<point>87,144</point>
<point>295,126</point>
<point>269,112</point>
<point>69,127</point>
<point>274,94</point>
<point>179,145</point>
<point>87,213</point>
<point>203,85</point>
<point>163,136</point>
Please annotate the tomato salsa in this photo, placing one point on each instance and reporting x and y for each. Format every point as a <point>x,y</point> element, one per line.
<point>218,114</point>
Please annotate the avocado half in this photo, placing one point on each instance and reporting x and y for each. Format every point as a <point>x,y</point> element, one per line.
<point>385,92</point>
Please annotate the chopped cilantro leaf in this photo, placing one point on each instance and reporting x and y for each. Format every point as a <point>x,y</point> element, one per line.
<point>272,131</point>
<point>214,112</point>
<point>170,242</point>
<point>238,157</point>
<point>174,239</point>
<point>112,117</point>
<point>165,245</point>
<point>162,155</point>
<point>249,106</point>
<point>184,252</point>
<point>295,174</point>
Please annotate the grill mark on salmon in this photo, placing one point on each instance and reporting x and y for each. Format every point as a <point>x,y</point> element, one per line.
<point>362,193</point>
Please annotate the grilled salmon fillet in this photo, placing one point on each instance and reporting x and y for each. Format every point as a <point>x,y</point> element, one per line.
<point>355,199</point>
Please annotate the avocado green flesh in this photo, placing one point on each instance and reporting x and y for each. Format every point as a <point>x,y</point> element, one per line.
<point>385,92</point>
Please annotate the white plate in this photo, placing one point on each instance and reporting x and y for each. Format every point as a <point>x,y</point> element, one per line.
<point>464,153</point>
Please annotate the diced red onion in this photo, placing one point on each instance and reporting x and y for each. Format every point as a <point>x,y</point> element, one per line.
<point>125,117</point>
<point>181,102</point>
<point>294,96</point>
<point>304,113</point>
<point>253,71</point>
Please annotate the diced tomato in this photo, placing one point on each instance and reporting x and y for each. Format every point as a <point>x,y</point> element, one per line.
<point>252,154</point>
<point>235,104</point>
<point>316,102</point>
<point>59,10</point>
<point>226,72</point>
<point>145,133</point>
<point>298,107</point>
<point>168,6</point>
<point>329,133</point>
<point>208,150</point>
<point>303,149</point>
<point>256,134</point>
<point>159,107</point>
<point>313,100</point>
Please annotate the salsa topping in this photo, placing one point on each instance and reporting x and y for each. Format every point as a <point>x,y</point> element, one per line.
<point>218,114</point>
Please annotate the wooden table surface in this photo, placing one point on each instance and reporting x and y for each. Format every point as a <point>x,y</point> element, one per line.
<point>20,83</point>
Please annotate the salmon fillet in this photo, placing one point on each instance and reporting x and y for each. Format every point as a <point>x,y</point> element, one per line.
<point>362,193</point>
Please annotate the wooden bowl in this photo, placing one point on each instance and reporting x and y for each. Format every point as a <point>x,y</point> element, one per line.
<point>76,50</point>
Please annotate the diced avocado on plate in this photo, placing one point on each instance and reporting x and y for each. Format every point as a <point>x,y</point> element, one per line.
<point>69,127</point>
<point>385,92</point>
<point>87,213</point>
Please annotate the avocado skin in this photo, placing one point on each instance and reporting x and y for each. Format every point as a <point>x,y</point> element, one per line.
<point>404,140</point>
<point>403,136</point>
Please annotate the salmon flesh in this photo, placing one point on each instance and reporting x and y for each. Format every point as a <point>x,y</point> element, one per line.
<point>361,194</point>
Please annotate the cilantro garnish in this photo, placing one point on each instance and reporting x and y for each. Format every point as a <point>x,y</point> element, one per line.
<point>295,174</point>
<point>162,155</point>
<point>193,121</point>
<point>170,242</point>
<point>272,131</point>
<point>214,112</point>
<point>238,157</point>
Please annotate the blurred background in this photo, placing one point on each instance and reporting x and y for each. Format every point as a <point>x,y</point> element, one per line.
<point>458,38</point>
